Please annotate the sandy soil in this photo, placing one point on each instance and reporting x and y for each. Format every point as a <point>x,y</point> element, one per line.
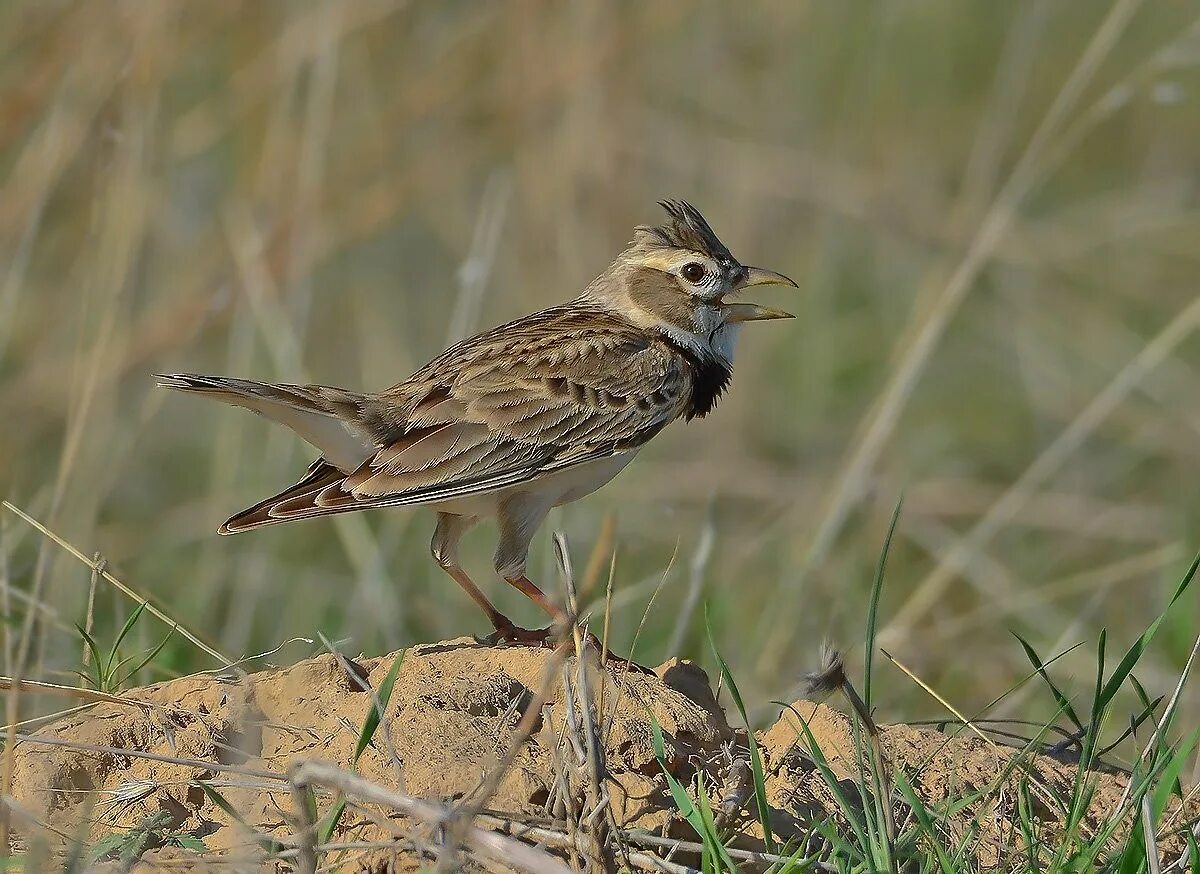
<point>450,719</point>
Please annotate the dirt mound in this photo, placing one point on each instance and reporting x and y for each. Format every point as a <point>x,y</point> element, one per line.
<point>177,753</point>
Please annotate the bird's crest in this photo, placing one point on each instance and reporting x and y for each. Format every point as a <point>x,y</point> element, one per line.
<point>687,229</point>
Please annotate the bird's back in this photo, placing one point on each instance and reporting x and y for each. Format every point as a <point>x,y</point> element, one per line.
<point>515,405</point>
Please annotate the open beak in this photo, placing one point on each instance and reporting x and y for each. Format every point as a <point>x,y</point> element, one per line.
<point>759,276</point>
<point>751,312</point>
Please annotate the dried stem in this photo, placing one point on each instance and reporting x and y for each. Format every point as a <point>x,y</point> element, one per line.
<point>486,843</point>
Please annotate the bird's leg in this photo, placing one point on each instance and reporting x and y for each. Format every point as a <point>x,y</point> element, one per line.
<point>516,634</point>
<point>527,588</point>
<point>519,517</point>
<point>444,547</point>
<point>560,618</point>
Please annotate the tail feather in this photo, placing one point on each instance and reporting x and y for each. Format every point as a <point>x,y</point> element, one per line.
<point>265,512</point>
<point>328,418</point>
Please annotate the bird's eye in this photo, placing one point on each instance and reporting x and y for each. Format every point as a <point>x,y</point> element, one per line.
<point>693,272</point>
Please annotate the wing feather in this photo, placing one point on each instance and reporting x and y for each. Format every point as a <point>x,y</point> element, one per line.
<point>562,387</point>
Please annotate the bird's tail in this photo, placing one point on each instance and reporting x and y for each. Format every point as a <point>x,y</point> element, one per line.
<point>268,512</point>
<point>328,418</point>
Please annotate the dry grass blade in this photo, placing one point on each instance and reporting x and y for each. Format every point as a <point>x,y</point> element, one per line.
<point>697,571</point>
<point>1051,459</point>
<point>603,553</point>
<point>93,696</point>
<point>991,229</point>
<point>359,544</point>
<point>927,329</point>
<point>933,693</point>
<point>98,566</point>
<point>1153,859</point>
<point>561,840</point>
<point>476,268</point>
<point>492,846</point>
<point>19,667</point>
<point>202,764</point>
<point>118,585</point>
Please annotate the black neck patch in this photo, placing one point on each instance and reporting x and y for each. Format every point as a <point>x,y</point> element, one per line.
<point>710,378</point>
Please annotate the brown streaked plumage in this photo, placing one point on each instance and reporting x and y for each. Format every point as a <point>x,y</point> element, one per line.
<point>526,416</point>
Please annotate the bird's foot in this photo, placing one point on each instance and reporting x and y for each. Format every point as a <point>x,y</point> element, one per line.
<point>515,635</point>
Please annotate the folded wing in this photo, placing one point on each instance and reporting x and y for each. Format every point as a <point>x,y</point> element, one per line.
<point>517,402</point>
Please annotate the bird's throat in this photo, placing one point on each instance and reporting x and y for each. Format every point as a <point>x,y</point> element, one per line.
<point>710,378</point>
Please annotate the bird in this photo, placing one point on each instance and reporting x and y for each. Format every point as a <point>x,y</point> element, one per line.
<point>523,417</point>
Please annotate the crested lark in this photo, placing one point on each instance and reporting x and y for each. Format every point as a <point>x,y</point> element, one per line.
<point>526,416</point>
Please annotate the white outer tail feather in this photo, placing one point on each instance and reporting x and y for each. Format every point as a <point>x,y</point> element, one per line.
<point>328,432</point>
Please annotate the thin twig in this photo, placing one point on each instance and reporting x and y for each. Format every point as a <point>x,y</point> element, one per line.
<point>117,584</point>
<point>489,844</point>
<point>561,840</point>
<point>555,838</point>
<point>92,696</point>
<point>608,729</point>
<point>44,740</point>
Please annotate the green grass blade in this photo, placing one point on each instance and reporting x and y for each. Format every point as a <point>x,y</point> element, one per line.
<point>128,627</point>
<point>831,781</point>
<point>132,672</point>
<point>97,662</point>
<point>1168,780</point>
<point>1136,722</point>
<point>1142,694</point>
<point>684,803</point>
<point>329,824</point>
<point>1034,659</point>
<point>756,765</point>
<point>1134,654</point>
<point>1104,694</point>
<point>1027,822</point>
<point>371,723</point>
<point>710,824</point>
<point>379,703</point>
<point>222,802</point>
<point>873,608</point>
<point>1133,857</point>
<point>1097,694</point>
<point>925,820</point>
<point>268,844</point>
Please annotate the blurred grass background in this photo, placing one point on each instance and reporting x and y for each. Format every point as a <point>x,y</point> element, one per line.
<point>991,209</point>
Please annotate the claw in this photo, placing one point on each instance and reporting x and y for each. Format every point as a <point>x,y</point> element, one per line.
<point>514,635</point>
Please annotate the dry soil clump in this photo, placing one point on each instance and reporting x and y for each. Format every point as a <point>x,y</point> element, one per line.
<point>452,717</point>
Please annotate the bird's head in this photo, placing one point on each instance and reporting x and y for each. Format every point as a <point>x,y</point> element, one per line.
<point>680,279</point>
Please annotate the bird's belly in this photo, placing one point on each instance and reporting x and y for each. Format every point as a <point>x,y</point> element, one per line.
<point>576,482</point>
<point>559,488</point>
